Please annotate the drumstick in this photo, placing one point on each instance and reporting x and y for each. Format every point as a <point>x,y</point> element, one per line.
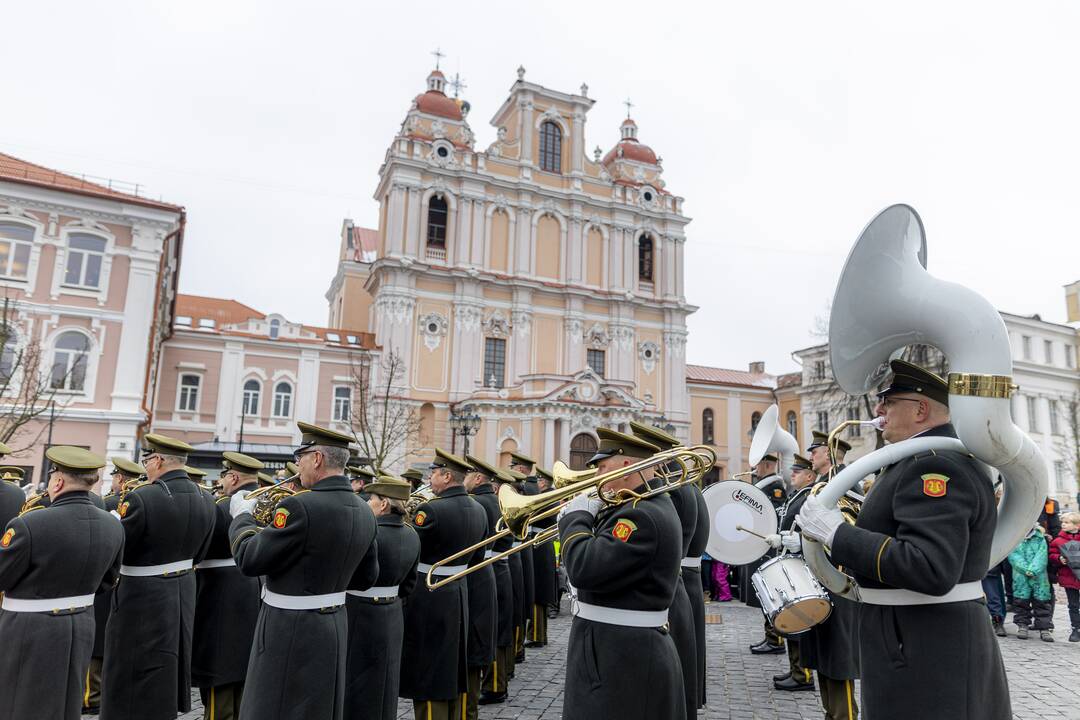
<point>747,530</point>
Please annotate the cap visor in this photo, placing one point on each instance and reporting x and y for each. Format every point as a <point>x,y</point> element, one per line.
<point>598,457</point>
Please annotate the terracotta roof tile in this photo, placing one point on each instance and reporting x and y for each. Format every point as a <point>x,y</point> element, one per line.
<point>14,169</point>
<point>365,243</point>
<point>789,380</point>
<point>724,376</point>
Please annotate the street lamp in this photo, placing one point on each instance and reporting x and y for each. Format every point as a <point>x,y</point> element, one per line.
<point>464,424</point>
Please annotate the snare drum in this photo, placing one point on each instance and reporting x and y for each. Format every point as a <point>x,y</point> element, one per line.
<point>791,597</point>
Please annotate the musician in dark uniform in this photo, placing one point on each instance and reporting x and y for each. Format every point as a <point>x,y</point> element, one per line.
<point>314,542</point>
<point>433,659</point>
<point>52,562</point>
<point>517,592</point>
<point>496,675</point>
<point>359,477</point>
<point>414,477</point>
<point>227,603</point>
<point>528,576</point>
<point>681,616</point>
<point>766,480</point>
<point>538,565</point>
<point>124,473</point>
<point>623,563</point>
<point>819,455</point>
<point>168,524</point>
<point>376,620</point>
<point>919,550</point>
<point>483,593</point>
<point>12,496</point>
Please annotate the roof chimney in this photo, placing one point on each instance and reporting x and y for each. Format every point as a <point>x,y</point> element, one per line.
<point>757,367</point>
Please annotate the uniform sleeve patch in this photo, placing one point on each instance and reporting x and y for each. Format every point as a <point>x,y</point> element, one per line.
<point>420,518</point>
<point>934,484</point>
<point>777,492</point>
<point>623,530</point>
<point>123,508</point>
<point>6,540</point>
<point>281,516</point>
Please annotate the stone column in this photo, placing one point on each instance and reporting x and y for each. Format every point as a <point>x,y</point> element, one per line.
<point>468,348</point>
<point>307,390</point>
<point>478,232</point>
<point>523,246</point>
<point>395,221</point>
<point>413,243</point>
<point>549,442</point>
<point>227,413</point>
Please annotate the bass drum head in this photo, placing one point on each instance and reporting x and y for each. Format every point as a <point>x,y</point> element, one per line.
<point>733,503</point>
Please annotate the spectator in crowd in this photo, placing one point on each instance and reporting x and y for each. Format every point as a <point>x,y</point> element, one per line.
<point>1031,586</point>
<point>994,588</point>
<point>721,587</point>
<point>1068,574</point>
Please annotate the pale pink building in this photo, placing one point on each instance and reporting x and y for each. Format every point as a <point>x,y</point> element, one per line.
<point>89,273</point>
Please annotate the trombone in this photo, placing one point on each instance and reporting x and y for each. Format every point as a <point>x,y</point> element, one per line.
<point>520,512</point>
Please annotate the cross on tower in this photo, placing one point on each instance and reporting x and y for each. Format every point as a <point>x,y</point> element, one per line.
<point>458,84</point>
<point>628,105</point>
<point>439,55</point>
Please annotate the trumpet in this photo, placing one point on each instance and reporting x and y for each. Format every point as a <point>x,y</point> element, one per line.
<point>268,499</point>
<point>521,512</point>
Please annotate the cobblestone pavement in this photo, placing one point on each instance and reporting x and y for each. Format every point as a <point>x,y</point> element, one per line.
<point>1042,676</point>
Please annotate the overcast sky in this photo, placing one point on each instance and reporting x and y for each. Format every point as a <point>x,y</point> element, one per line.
<point>785,125</point>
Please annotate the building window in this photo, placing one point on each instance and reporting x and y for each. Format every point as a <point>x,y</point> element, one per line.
<point>853,414</point>
<point>819,369</point>
<point>188,399</point>
<point>9,354</point>
<point>550,147</point>
<point>1055,422</point>
<point>708,435</point>
<point>342,402</point>
<point>596,359</point>
<point>1070,356</point>
<point>494,362</point>
<point>1060,475</point>
<point>275,328</point>
<point>252,391</point>
<point>282,400</point>
<point>1025,344</point>
<point>823,420</point>
<point>645,258</point>
<point>85,255</point>
<point>582,447</point>
<point>793,424</point>
<point>1048,352</point>
<point>755,418</point>
<point>1033,418</point>
<point>16,241</point>
<point>70,358</point>
<point>436,222</point>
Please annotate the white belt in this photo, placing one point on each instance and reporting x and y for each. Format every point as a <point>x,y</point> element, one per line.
<point>488,554</point>
<point>691,562</point>
<point>302,602</point>
<point>445,570</point>
<point>74,602</point>
<point>216,563</point>
<point>152,570</point>
<point>877,596</point>
<point>380,591</point>
<point>618,616</point>
<point>516,543</point>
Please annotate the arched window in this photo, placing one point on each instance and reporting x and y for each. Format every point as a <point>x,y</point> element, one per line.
<point>427,424</point>
<point>85,255</point>
<point>645,258</point>
<point>70,358</point>
<point>793,424</point>
<point>282,399</point>
<point>16,242</point>
<point>550,147</point>
<point>436,222</point>
<point>582,447</point>
<point>252,391</point>
<point>754,420</point>
<point>275,328</point>
<point>707,435</point>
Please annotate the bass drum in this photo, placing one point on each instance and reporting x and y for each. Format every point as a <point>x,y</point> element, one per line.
<point>791,597</point>
<point>738,514</point>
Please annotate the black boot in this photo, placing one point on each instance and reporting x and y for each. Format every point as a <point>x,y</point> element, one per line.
<point>1075,636</point>
<point>778,678</point>
<point>792,685</point>
<point>767,648</point>
<point>491,698</point>
<point>999,629</point>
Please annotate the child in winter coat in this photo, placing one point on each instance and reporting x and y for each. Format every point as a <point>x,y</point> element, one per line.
<point>1031,586</point>
<point>1068,578</point>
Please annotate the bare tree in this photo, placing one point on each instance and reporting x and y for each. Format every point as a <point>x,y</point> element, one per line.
<point>1069,443</point>
<point>382,420</point>
<point>29,392</point>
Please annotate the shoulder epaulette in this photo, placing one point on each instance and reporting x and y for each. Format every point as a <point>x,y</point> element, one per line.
<point>223,498</point>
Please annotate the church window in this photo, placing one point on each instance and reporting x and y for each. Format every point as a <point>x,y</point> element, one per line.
<point>550,147</point>
<point>793,423</point>
<point>494,362</point>
<point>436,222</point>
<point>596,361</point>
<point>645,258</point>
<point>708,436</point>
<point>755,418</point>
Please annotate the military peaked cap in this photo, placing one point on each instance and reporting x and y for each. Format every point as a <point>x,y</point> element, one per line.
<point>504,476</point>
<point>908,378</point>
<point>412,474</point>
<point>154,443</point>
<point>801,463</point>
<point>194,472</point>
<point>769,458</point>
<point>545,473</point>
<point>265,479</point>
<point>484,468</point>
<point>389,487</point>
<point>240,462</point>
<point>315,435</point>
<point>517,458</point>
<point>4,449</point>
<point>514,475</point>
<point>450,461</point>
<point>74,459</point>
<point>821,438</point>
<point>613,442</point>
<point>292,469</point>
<point>655,435</point>
<point>12,472</point>
<point>361,471</point>
<point>127,467</point>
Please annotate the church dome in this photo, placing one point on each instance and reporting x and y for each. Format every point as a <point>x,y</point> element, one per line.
<point>435,101</point>
<point>628,148</point>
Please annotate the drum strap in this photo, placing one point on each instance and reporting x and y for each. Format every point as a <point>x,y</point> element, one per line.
<point>964,591</point>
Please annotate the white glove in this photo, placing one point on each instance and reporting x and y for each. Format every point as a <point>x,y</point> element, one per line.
<point>115,514</point>
<point>818,522</point>
<point>583,501</point>
<point>791,541</point>
<point>773,540</point>
<point>239,504</point>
